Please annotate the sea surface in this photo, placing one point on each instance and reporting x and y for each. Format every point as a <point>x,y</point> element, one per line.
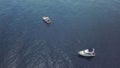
<point>26,41</point>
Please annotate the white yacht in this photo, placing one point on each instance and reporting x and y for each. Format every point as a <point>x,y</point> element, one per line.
<point>87,52</point>
<point>46,19</point>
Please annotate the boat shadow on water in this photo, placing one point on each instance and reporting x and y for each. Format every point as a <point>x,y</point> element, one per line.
<point>47,24</point>
<point>87,58</point>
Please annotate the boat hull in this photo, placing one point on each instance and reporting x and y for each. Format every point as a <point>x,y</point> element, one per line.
<point>46,19</point>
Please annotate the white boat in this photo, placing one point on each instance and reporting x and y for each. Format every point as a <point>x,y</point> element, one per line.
<point>46,19</point>
<point>87,52</point>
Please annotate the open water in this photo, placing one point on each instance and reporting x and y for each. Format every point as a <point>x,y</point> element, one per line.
<point>27,42</point>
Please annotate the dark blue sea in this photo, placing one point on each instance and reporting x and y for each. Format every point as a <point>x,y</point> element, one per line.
<point>26,41</point>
